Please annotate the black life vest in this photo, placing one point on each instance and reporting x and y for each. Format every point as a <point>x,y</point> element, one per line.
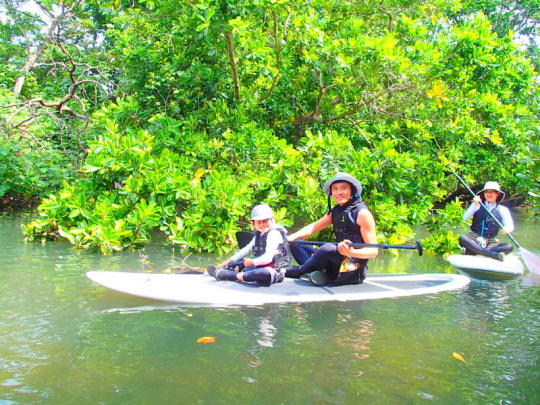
<point>483,224</point>
<point>283,257</point>
<point>344,222</point>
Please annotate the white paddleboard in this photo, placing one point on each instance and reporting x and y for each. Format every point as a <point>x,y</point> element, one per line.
<point>204,289</point>
<point>482,265</point>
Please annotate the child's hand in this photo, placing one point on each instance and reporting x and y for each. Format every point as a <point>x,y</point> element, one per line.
<point>477,200</point>
<point>224,264</point>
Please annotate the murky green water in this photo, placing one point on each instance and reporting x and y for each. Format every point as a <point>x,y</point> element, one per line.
<point>67,341</point>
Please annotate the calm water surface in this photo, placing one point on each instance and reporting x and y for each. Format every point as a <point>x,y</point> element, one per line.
<point>68,341</point>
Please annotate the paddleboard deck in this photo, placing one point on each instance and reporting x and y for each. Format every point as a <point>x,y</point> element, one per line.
<point>485,266</point>
<point>203,289</point>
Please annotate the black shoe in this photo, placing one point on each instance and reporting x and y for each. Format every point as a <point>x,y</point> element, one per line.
<point>293,272</point>
<point>225,274</point>
<point>211,270</point>
<point>494,255</point>
<point>318,277</point>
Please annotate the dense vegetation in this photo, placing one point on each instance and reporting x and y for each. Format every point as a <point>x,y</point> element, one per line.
<point>179,116</point>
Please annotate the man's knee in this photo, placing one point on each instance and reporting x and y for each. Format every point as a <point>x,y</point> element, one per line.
<point>327,248</point>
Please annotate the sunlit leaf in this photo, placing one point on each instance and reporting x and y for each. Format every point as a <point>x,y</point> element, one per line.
<point>458,357</point>
<point>206,339</point>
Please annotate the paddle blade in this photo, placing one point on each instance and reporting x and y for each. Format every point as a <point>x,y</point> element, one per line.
<point>532,261</point>
<point>419,248</point>
<point>244,237</point>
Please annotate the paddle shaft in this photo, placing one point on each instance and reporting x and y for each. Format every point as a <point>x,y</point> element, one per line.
<point>483,205</point>
<point>417,247</point>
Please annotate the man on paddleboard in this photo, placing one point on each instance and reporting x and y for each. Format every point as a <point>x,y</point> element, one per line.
<point>269,249</point>
<point>482,239</point>
<point>352,222</point>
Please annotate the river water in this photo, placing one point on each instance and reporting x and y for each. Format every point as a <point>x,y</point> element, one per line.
<point>67,341</point>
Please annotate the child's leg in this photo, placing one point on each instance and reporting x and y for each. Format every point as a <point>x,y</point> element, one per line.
<point>237,265</point>
<point>262,275</point>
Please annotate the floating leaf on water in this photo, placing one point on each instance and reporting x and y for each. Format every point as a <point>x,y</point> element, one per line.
<point>189,315</point>
<point>206,339</point>
<point>458,356</point>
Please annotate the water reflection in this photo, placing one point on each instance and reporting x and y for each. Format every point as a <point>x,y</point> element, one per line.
<point>356,337</point>
<point>328,342</point>
<point>263,336</point>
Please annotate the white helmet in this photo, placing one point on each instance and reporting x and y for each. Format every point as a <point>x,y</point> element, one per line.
<point>261,211</point>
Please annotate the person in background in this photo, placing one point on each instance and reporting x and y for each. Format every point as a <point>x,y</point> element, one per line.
<point>268,247</point>
<point>352,222</point>
<point>484,229</point>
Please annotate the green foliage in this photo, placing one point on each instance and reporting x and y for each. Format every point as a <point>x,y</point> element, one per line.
<point>232,103</point>
<point>442,226</point>
<point>29,172</point>
<point>199,197</point>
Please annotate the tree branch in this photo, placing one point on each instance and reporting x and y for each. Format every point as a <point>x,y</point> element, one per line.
<point>233,64</point>
<point>315,114</point>
<point>277,51</point>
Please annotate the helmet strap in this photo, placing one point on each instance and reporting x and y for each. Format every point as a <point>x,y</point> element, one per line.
<point>329,204</point>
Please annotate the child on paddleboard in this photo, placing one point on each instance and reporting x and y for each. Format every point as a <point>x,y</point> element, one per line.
<point>268,247</point>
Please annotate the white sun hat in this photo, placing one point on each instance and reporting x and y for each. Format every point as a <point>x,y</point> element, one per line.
<point>493,185</point>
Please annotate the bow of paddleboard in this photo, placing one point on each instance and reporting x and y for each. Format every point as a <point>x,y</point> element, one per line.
<point>203,289</point>
<point>486,267</point>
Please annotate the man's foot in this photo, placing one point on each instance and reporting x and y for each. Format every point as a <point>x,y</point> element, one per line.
<point>501,256</point>
<point>318,277</point>
<point>293,272</point>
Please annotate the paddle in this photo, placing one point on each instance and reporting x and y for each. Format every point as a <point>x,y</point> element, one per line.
<point>417,246</point>
<point>244,237</point>
<point>532,261</point>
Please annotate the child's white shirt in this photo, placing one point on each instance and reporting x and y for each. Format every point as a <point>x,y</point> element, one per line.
<point>274,239</point>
